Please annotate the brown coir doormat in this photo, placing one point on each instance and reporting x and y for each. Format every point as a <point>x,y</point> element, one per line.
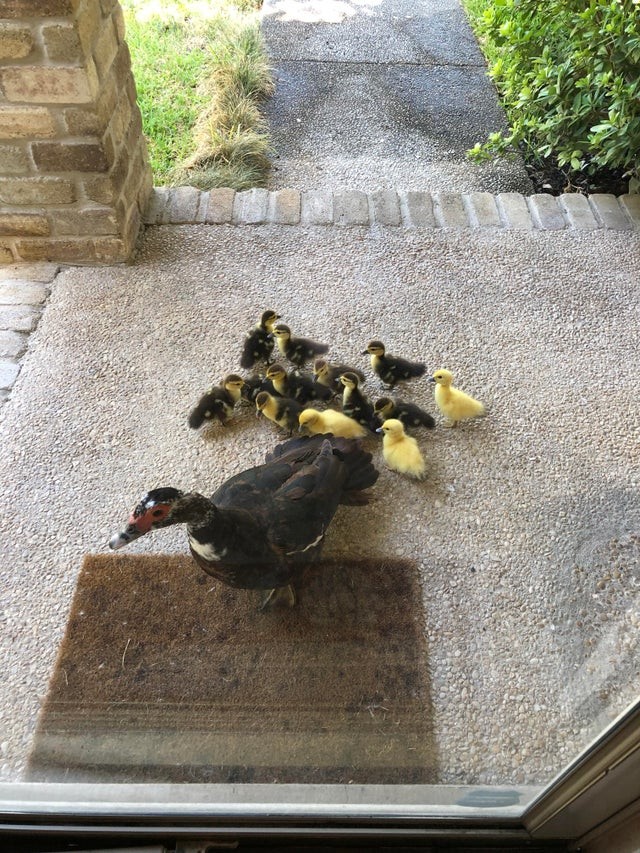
<point>166,675</point>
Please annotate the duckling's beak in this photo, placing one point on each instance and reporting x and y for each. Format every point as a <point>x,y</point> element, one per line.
<point>365,352</point>
<point>258,413</point>
<point>379,429</point>
<point>431,379</point>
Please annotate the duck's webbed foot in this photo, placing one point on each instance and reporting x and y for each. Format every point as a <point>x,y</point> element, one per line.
<point>280,596</point>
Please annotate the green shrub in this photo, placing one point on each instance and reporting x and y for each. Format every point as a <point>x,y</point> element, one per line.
<point>569,76</point>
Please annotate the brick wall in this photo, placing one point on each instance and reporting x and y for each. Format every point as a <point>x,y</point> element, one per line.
<point>74,172</point>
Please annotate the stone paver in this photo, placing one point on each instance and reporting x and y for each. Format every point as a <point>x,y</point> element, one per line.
<point>250,207</point>
<point>350,207</point>
<point>14,292</point>
<point>12,344</point>
<point>157,211</point>
<point>514,211</point>
<point>185,205</point>
<point>578,211</point>
<point>631,206</point>
<point>450,211</point>
<point>317,207</point>
<point>483,210</point>
<point>386,207</point>
<point>23,292</point>
<point>20,318</point>
<point>546,212</point>
<point>417,208</point>
<point>609,212</point>
<point>284,207</point>
<point>220,206</point>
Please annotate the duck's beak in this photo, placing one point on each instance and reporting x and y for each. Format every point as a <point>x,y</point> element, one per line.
<point>129,534</point>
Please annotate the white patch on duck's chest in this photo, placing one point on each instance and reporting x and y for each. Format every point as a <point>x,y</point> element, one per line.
<point>206,550</point>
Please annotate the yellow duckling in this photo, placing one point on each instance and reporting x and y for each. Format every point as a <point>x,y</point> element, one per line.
<point>454,404</point>
<point>400,451</point>
<point>330,421</point>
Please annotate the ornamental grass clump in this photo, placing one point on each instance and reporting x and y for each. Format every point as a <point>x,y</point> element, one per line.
<point>201,74</point>
<point>231,135</point>
<point>569,76</point>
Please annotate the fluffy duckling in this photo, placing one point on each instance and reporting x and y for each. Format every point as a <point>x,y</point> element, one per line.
<point>330,422</point>
<point>454,404</point>
<point>254,384</point>
<point>218,402</point>
<point>400,451</point>
<point>295,386</point>
<point>296,350</point>
<point>328,374</point>
<point>411,415</point>
<point>355,404</point>
<point>259,342</point>
<point>392,368</point>
<point>281,410</point>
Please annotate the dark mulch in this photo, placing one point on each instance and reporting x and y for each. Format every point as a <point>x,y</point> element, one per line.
<point>546,177</point>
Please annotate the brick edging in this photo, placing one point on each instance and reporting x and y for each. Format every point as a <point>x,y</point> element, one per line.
<point>391,208</point>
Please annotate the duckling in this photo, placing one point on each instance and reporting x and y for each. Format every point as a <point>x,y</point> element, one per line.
<point>392,368</point>
<point>411,415</point>
<point>400,451</point>
<point>281,410</point>
<point>330,422</point>
<point>355,404</point>
<point>296,350</point>
<point>259,342</point>
<point>254,384</point>
<point>218,402</point>
<point>296,386</point>
<point>454,404</point>
<point>328,374</point>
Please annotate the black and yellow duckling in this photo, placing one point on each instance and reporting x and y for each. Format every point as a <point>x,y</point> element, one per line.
<point>296,386</point>
<point>296,350</point>
<point>254,384</point>
<point>262,528</point>
<point>410,414</point>
<point>283,411</point>
<point>328,374</point>
<point>454,404</point>
<point>218,403</point>
<point>355,404</point>
<point>330,421</point>
<point>259,342</point>
<point>392,368</point>
<point>400,451</point>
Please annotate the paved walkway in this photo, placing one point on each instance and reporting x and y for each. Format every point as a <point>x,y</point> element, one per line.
<point>381,93</point>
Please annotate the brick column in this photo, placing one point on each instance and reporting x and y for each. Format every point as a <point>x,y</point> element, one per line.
<point>74,171</point>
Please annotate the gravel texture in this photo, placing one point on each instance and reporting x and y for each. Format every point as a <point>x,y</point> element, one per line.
<point>526,529</point>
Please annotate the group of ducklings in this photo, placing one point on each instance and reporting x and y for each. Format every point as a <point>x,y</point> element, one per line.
<point>284,398</point>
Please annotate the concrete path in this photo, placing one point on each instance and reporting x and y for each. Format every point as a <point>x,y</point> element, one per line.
<point>388,93</point>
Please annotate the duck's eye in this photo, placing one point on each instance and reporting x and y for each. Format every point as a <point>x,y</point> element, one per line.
<point>156,513</point>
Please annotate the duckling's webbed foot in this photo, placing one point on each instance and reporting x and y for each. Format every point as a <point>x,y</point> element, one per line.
<point>280,596</point>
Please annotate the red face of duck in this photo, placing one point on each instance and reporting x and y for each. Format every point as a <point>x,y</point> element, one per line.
<point>153,511</point>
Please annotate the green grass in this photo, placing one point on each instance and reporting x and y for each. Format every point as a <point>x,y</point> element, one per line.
<point>201,72</point>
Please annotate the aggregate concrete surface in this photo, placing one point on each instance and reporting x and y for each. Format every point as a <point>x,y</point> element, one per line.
<point>388,93</point>
<point>525,531</point>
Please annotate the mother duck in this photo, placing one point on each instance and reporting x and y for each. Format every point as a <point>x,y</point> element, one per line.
<point>263,527</point>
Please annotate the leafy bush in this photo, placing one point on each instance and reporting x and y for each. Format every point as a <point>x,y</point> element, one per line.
<point>569,75</point>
